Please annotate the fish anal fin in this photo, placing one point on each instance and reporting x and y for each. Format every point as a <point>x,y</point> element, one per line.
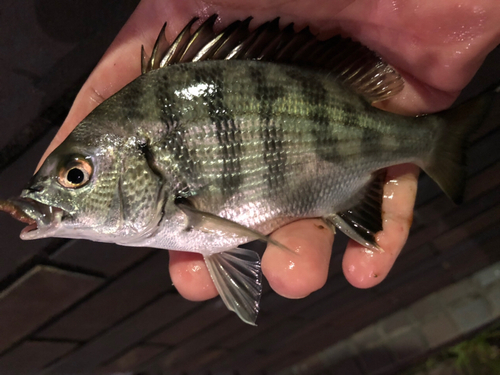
<point>364,220</point>
<point>237,276</point>
<point>353,64</point>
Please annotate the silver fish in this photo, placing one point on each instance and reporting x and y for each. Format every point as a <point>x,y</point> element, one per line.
<point>226,137</point>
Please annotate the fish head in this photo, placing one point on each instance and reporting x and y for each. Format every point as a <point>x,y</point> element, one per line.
<point>96,187</point>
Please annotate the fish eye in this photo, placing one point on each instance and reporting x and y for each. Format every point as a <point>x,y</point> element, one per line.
<point>75,173</point>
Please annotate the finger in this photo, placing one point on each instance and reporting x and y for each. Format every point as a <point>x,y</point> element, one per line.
<point>296,275</point>
<point>190,276</point>
<point>364,268</point>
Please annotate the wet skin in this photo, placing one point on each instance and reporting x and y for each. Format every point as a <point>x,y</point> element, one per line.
<point>436,46</point>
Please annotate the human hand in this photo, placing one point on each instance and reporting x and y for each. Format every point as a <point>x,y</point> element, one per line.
<point>437,47</point>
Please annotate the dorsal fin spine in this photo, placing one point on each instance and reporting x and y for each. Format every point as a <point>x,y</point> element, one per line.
<point>354,65</point>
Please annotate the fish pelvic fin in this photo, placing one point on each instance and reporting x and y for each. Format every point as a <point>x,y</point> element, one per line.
<point>354,65</point>
<point>446,164</point>
<point>237,276</point>
<point>364,220</point>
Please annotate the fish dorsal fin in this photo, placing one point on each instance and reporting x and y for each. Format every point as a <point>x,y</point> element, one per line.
<point>363,221</point>
<point>353,64</point>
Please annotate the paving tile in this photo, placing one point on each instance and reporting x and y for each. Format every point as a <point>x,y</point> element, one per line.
<point>457,291</point>
<point>271,362</point>
<point>448,220</point>
<point>274,337</point>
<point>14,251</point>
<point>346,367</point>
<point>31,356</point>
<point>395,322</point>
<point>192,324</point>
<point>347,317</point>
<point>493,295</point>
<point>37,296</point>
<point>486,181</point>
<point>427,308</point>
<point>367,337</point>
<point>407,344</point>
<point>312,365</point>
<point>334,326</point>
<point>113,303</point>
<point>490,247</point>
<point>212,336</point>
<point>446,368</point>
<point>426,214</point>
<point>267,346</point>
<point>470,227</point>
<point>198,364</point>
<point>375,359</point>
<point>106,258</point>
<point>133,358</point>
<point>439,330</point>
<point>342,293</point>
<point>424,234</point>
<point>275,308</point>
<point>411,257</point>
<point>459,260</point>
<point>336,353</point>
<point>471,313</point>
<point>488,275</point>
<point>234,334</point>
<point>417,281</point>
<point>483,182</point>
<point>124,335</point>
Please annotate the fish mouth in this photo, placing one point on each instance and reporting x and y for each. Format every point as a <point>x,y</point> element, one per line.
<point>43,220</point>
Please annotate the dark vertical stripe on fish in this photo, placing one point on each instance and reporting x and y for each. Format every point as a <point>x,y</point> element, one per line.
<point>227,130</point>
<point>271,132</point>
<point>131,105</point>
<point>370,138</point>
<point>167,106</point>
<point>316,97</point>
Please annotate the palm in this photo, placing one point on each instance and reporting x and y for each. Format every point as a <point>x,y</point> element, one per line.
<point>436,46</point>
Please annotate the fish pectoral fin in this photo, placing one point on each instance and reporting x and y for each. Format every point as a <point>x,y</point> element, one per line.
<point>210,223</point>
<point>237,276</point>
<point>363,221</point>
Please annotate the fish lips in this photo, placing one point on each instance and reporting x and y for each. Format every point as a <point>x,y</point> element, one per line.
<point>43,220</point>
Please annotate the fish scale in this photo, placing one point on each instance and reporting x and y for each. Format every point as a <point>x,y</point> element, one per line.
<point>299,131</point>
<point>226,137</point>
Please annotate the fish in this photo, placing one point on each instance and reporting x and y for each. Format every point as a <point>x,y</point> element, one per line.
<point>227,136</point>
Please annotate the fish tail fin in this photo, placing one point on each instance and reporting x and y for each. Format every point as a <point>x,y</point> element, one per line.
<point>446,164</point>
